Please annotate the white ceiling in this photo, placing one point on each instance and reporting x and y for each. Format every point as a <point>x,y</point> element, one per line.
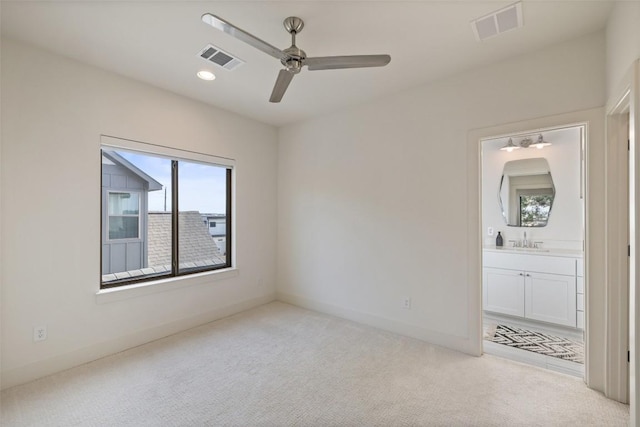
<point>157,42</point>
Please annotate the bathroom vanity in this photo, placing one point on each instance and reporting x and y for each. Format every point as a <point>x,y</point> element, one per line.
<point>538,284</point>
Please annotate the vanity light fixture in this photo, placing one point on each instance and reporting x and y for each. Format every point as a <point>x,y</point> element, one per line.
<point>206,75</point>
<point>541,143</point>
<point>510,146</point>
<point>525,143</point>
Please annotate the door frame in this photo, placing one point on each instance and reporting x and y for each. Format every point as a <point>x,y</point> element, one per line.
<point>594,255</point>
<point>617,244</point>
<point>623,127</point>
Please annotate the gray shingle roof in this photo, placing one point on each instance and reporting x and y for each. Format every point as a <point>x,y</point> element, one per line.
<point>196,247</point>
<point>195,242</point>
<point>159,238</point>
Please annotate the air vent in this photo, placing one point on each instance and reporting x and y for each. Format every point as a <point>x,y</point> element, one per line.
<point>498,22</point>
<point>219,57</point>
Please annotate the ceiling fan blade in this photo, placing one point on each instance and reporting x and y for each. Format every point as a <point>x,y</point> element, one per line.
<point>354,61</point>
<point>240,34</point>
<point>282,83</point>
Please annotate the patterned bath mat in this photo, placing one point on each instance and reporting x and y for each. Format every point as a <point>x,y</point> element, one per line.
<point>538,342</point>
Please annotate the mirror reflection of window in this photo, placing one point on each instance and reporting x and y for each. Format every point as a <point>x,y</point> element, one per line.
<point>534,209</point>
<point>526,192</point>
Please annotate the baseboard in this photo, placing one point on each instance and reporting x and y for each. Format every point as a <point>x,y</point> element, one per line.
<point>42,368</point>
<point>461,344</point>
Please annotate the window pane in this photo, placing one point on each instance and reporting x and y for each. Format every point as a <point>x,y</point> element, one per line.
<point>123,227</point>
<point>202,199</point>
<point>124,203</point>
<point>142,216</point>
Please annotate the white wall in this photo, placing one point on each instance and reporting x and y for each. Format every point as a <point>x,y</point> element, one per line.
<point>405,158</point>
<point>623,41</point>
<point>53,113</point>
<point>564,229</point>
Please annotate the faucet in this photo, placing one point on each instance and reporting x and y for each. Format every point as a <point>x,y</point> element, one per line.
<point>525,244</point>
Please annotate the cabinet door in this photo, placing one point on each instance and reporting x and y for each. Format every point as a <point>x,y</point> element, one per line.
<point>550,298</point>
<point>503,291</point>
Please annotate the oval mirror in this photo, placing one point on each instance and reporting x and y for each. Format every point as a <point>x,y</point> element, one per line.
<point>526,192</point>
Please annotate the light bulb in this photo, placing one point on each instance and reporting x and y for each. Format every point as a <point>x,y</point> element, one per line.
<point>206,75</point>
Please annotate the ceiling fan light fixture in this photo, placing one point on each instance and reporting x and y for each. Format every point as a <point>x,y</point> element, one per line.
<point>206,75</point>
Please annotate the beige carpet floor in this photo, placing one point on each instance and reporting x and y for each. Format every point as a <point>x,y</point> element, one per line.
<point>279,365</point>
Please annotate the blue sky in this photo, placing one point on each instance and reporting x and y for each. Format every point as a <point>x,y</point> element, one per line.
<point>202,187</point>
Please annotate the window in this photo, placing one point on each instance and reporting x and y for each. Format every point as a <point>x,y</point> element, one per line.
<point>212,224</point>
<point>124,211</point>
<point>153,207</point>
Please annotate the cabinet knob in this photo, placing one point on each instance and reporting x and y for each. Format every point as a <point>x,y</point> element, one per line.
<point>520,274</point>
<point>528,275</point>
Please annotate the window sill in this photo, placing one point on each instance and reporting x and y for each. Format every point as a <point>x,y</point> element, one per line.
<point>131,291</point>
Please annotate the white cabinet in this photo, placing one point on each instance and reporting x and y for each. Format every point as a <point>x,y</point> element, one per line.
<point>550,298</point>
<point>531,286</point>
<point>503,291</point>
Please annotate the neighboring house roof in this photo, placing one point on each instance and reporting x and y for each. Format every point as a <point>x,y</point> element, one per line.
<point>152,184</point>
<point>196,247</point>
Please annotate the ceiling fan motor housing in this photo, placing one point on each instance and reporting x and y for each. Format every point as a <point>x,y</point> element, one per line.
<point>294,59</point>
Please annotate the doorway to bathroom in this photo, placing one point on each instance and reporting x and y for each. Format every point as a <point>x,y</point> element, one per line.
<point>533,246</point>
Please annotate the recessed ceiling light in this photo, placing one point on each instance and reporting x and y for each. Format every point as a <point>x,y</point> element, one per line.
<point>206,75</point>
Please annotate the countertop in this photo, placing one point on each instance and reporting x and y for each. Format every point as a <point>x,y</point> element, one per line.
<point>569,253</point>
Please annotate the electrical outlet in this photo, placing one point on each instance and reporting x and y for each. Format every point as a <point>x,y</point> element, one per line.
<point>489,231</point>
<point>406,303</point>
<point>39,333</point>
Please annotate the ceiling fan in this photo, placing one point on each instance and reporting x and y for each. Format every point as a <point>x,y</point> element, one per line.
<point>294,58</point>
